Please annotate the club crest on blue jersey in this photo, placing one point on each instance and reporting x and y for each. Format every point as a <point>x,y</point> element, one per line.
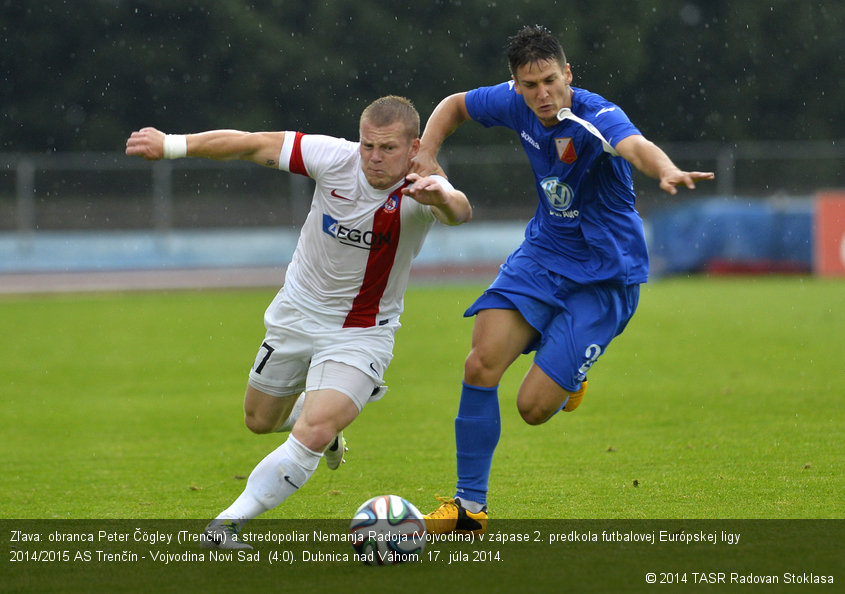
<point>558,194</point>
<point>566,150</point>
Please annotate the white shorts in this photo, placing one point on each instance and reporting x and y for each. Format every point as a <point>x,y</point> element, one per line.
<point>296,343</point>
<point>354,383</point>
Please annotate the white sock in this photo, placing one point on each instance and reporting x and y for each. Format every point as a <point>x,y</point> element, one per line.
<point>279,475</point>
<point>294,414</point>
<point>471,506</point>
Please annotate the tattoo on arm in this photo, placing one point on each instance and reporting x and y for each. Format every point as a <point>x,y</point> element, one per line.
<point>270,163</point>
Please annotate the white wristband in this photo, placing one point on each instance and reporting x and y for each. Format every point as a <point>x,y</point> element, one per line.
<point>175,146</point>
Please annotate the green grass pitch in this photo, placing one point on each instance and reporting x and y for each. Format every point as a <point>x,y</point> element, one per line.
<point>723,399</point>
<point>721,402</point>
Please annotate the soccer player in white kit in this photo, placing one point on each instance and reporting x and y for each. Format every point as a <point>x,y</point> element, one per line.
<point>330,329</point>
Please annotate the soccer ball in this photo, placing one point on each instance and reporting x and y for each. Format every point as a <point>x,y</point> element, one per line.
<point>387,530</point>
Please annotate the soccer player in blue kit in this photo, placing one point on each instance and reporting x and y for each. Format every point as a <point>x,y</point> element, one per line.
<point>573,283</point>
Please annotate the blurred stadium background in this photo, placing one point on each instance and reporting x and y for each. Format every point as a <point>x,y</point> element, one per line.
<point>744,89</point>
<point>723,402</point>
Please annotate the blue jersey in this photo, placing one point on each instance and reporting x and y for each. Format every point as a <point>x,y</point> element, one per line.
<point>586,227</point>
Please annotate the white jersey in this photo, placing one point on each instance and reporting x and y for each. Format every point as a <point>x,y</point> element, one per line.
<point>353,257</point>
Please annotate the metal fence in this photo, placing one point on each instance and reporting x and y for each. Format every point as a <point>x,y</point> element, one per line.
<point>97,191</point>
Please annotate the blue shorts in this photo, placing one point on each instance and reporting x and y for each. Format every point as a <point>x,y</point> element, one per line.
<point>576,322</point>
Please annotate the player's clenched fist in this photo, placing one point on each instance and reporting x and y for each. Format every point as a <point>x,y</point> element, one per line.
<point>424,190</point>
<point>450,205</point>
<point>147,143</point>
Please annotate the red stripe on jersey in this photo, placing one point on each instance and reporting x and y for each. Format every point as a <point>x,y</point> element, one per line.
<point>297,165</point>
<point>386,228</point>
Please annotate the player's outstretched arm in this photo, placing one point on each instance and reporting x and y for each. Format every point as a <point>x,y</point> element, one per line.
<point>450,206</point>
<point>262,148</point>
<point>651,160</point>
<point>450,113</point>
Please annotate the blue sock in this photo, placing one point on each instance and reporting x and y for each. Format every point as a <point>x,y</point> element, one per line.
<point>477,430</point>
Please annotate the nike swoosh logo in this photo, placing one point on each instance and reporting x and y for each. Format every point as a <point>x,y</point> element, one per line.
<point>601,111</point>
<point>373,368</point>
<point>336,195</point>
<point>290,482</point>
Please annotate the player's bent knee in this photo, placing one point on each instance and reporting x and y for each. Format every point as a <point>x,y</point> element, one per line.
<point>534,414</point>
<point>536,411</point>
<point>315,437</point>
<point>534,417</point>
<point>258,425</point>
<point>478,372</point>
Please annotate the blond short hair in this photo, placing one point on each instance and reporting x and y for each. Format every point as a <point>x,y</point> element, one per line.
<point>391,109</point>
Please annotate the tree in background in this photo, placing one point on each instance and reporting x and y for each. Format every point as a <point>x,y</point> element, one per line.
<point>76,75</point>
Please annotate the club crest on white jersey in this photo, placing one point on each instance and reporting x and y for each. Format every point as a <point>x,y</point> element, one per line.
<point>391,204</point>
